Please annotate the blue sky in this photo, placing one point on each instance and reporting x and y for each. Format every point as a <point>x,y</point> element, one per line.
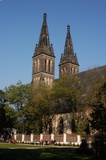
<point>20,26</point>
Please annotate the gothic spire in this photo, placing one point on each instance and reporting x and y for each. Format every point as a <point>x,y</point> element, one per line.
<point>68,49</point>
<point>44,35</point>
<point>68,62</point>
<point>44,42</point>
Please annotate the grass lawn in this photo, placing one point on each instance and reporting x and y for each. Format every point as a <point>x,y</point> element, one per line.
<point>32,152</point>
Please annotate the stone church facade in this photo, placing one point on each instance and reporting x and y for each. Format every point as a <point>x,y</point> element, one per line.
<point>43,66</point>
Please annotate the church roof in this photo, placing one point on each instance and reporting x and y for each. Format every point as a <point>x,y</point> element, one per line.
<point>97,71</point>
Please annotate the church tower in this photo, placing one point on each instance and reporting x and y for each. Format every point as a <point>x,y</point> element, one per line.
<point>43,58</point>
<point>68,62</point>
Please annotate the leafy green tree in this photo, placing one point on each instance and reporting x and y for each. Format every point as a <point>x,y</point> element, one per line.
<point>92,86</point>
<point>102,94</point>
<point>7,118</point>
<point>98,118</point>
<point>2,110</point>
<point>42,107</point>
<point>17,95</point>
<point>67,92</point>
<point>17,98</point>
<point>2,97</point>
<point>98,115</point>
<point>82,124</point>
<point>93,94</point>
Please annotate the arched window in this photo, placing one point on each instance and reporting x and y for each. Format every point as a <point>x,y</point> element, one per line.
<point>73,126</point>
<point>50,126</point>
<point>61,126</point>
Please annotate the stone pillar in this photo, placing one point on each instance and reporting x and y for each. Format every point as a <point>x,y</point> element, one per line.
<point>23,137</point>
<point>78,139</point>
<point>41,136</point>
<point>52,136</point>
<point>15,137</point>
<point>64,138</point>
<point>31,138</point>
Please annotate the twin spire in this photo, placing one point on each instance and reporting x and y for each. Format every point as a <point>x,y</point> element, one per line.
<point>68,49</point>
<point>45,42</point>
<point>44,36</point>
<point>68,56</point>
<point>44,46</point>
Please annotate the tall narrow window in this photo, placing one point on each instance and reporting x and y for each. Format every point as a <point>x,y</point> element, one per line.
<point>61,126</point>
<point>50,126</point>
<point>45,64</point>
<point>49,67</point>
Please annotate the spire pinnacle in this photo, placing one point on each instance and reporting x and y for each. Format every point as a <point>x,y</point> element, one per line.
<point>44,35</point>
<point>68,55</point>
<point>68,49</point>
<point>44,42</point>
<point>44,15</point>
<point>68,28</point>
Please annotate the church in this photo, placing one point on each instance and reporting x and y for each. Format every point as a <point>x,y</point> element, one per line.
<point>43,65</point>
